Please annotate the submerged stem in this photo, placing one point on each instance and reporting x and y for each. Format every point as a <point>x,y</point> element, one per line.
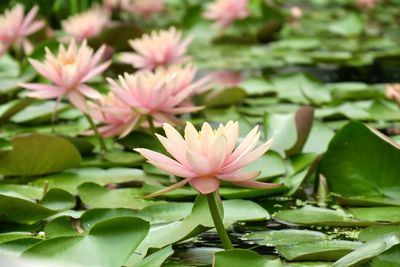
<point>212,199</point>
<point>96,133</point>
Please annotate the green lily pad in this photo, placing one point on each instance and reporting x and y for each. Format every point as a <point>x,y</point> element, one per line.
<point>353,168</point>
<point>321,250</point>
<point>107,244</point>
<point>240,257</point>
<point>224,97</point>
<point>20,210</point>
<point>309,215</point>
<point>39,112</point>
<point>376,231</point>
<point>96,196</point>
<point>284,237</point>
<point>289,131</point>
<point>389,258</point>
<point>37,154</point>
<point>377,214</point>
<point>367,251</point>
<point>70,180</point>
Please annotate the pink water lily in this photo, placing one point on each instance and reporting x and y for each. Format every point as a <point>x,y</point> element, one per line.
<point>15,28</point>
<point>86,25</point>
<point>184,78</point>
<point>225,12</point>
<point>226,78</point>
<point>296,12</point>
<point>156,49</point>
<point>366,4</point>
<point>155,94</point>
<point>207,157</point>
<point>393,92</point>
<point>145,8</point>
<point>69,71</point>
<point>116,117</point>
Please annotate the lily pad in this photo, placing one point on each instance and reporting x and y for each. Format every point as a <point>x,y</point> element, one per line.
<point>321,250</point>
<point>37,154</point>
<point>353,168</point>
<point>107,244</point>
<point>284,237</point>
<point>240,257</point>
<point>368,251</point>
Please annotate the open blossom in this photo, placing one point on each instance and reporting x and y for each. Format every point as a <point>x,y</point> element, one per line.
<point>366,4</point>
<point>145,8</point>
<point>69,71</point>
<point>156,49</point>
<point>206,158</point>
<point>296,12</point>
<point>154,94</point>
<point>184,77</point>
<point>15,28</point>
<point>86,25</point>
<point>227,78</point>
<point>224,12</point>
<point>116,117</point>
<point>393,92</point>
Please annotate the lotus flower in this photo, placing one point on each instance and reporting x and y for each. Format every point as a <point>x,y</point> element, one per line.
<point>15,28</point>
<point>296,12</point>
<point>366,4</point>
<point>117,118</point>
<point>69,71</point>
<point>206,158</point>
<point>393,92</point>
<point>112,4</point>
<point>86,25</point>
<point>145,8</point>
<point>224,12</point>
<point>184,77</point>
<point>227,78</point>
<point>157,49</point>
<point>154,94</point>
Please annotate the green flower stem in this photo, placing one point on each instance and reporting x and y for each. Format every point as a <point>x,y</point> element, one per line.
<point>151,125</point>
<point>96,133</point>
<point>216,215</point>
<point>153,131</point>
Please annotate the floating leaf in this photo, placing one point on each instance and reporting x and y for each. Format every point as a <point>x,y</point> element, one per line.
<point>283,237</point>
<point>368,251</point>
<point>36,154</point>
<point>107,244</point>
<point>362,162</point>
<point>321,250</point>
<point>241,257</point>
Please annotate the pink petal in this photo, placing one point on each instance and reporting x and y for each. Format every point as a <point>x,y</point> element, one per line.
<point>34,27</point>
<point>41,86</point>
<point>96,71</point>
<point>248,158</point>
<point>182,110</point>
<point>42,69</point>
<point>205,185</point>
<point>78,100</point>
<point>130,126</point>
<point>238,176</point>
<point>198,162</point>
<point>168,189</point>
<point>30,16</point>
<point>89,92</point>
<point>247,144</point>
<point>165,163</point>
<point>256,184</point>
<point>177,151</point>
<point>44,94</point>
